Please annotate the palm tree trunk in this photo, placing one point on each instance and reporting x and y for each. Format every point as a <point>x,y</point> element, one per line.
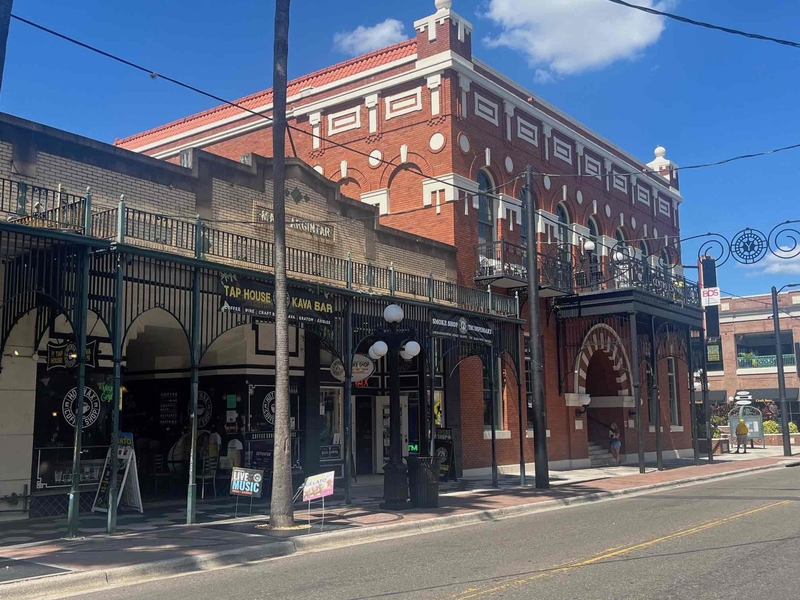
<point>281,511</point>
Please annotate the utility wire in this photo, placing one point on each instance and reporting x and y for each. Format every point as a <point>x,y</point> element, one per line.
<point>154,75</point>
<point>682,19</point>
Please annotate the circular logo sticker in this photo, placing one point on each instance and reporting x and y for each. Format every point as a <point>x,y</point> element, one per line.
<point>257,477</point>
<point>70,355</point>
<point>268,407</point>
<point>462,326</point>
<point>203,409</point>
<point>91,406</point>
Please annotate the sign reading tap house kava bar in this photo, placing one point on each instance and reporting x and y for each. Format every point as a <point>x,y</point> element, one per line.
<point>256,298</point>
<point>461,328</point>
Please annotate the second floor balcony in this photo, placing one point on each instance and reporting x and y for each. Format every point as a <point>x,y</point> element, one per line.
<point>751,361</point>
<point>504,265</point>
<point>563,269</point>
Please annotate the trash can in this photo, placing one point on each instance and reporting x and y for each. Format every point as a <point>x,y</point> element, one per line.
<point>423,481</point>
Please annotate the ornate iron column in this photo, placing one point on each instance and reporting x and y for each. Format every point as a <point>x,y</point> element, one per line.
<point>776,322</point>
<point>637,388</point>
<point>656,403</point>
<point>191,495</point>
<point>116,343</point>
<point>82,264</point>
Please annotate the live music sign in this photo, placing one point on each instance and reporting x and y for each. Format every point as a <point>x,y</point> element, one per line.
<point>710,296</point>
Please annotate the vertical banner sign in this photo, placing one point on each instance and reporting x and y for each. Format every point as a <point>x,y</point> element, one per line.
<point>469,329</point>
<point>254,297</point>
<point>444,451</point>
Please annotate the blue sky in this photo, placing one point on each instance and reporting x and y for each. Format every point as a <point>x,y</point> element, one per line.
<point>703,95</point>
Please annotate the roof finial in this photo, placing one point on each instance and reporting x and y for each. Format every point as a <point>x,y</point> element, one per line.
<point>660,151</point>
<point>444,4</point>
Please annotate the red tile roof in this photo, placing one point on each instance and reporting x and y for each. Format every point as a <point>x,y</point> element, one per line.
<point>316,80</point>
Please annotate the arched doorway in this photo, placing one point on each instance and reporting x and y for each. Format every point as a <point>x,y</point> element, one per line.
<point>602,382</point>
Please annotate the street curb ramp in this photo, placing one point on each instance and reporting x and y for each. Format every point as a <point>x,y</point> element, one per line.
<point>40,588</point>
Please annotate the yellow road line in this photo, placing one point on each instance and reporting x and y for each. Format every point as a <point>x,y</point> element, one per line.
<point>613,553</point>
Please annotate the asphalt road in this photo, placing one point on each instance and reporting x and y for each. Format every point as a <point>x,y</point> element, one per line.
<point>736,538</point>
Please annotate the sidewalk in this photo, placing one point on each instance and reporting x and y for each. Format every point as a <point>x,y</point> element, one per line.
<point>166,549</point>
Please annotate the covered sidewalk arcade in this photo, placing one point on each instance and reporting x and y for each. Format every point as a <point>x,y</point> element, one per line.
<point>67,263</point>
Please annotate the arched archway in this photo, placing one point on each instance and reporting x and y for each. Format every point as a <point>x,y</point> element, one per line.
<point>603,338</point>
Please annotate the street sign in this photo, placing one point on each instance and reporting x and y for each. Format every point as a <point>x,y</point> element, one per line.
<point>710,296</point>
<point>318,486</point>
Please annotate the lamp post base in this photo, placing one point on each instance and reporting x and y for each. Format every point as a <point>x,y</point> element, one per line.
<point>395,486</point>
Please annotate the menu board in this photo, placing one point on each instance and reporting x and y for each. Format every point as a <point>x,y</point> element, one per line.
<point>168,408</point>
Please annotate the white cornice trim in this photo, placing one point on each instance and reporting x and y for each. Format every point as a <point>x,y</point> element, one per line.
<point>301,96</point>
<point>564,126</point>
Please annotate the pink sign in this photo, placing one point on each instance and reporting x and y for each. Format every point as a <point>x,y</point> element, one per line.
<point>318,486</point>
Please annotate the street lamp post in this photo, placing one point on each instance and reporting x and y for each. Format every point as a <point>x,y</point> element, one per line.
<point>396,343</point>
<point>787,443</point>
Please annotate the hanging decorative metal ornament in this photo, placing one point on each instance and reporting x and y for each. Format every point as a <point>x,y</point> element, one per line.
<point>749,246</point>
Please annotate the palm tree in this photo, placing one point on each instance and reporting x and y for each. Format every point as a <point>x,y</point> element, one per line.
<point>281,513</point>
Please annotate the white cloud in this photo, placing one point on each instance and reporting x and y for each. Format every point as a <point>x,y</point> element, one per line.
<point>565,37</point>
<point>366,39</point>
<point>773,265</point>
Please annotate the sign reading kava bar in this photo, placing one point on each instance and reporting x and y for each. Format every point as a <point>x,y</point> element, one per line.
<point>257,298</point>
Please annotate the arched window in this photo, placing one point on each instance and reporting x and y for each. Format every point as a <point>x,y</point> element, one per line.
<point>644,249</point>
<point>486,225</point>
<point>593,230</point>
<point>563,223</point>
<point>620,236</point>
<point>594,234</point>
<point>666,264</point>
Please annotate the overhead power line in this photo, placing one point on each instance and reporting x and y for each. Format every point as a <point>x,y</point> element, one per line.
<point>688,21</point>
<point>470,192</point>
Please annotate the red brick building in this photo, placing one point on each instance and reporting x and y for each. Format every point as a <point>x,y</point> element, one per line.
<point>747,352</point>
<point>438,141</point>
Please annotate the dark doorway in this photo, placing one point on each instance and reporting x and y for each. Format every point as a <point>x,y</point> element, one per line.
<point>364,443</point>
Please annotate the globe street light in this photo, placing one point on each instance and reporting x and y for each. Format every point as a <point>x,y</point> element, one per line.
<point>394,343</point>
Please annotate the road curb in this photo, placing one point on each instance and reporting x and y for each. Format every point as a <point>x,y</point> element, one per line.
<point>75,582</point>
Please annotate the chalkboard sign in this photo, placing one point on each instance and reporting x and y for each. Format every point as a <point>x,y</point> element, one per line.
<point>129,493</point>
<point>168,409</point>
<point>444,450</point>
<point>261,460</point>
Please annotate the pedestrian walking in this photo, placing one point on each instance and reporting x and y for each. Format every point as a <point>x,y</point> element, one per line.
<point>741,436</point>
<point>616,442</point>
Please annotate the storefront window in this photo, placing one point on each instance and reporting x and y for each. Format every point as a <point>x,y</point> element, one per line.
<point>330,410</point>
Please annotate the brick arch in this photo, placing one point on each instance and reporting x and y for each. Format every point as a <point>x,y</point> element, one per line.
<point>350,187</point>
<point>479,164</point>
<point>393,165</point>
<point>603,338</point>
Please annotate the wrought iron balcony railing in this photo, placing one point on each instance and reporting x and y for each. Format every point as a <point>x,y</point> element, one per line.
<point>765,361</point>
<point>504,265</point>
<point>40,207</point>
<point>621,270</point>
<point>565,269</point>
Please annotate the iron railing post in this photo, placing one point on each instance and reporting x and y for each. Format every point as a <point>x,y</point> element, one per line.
<point>121,220</point>
<point>392,280</point>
